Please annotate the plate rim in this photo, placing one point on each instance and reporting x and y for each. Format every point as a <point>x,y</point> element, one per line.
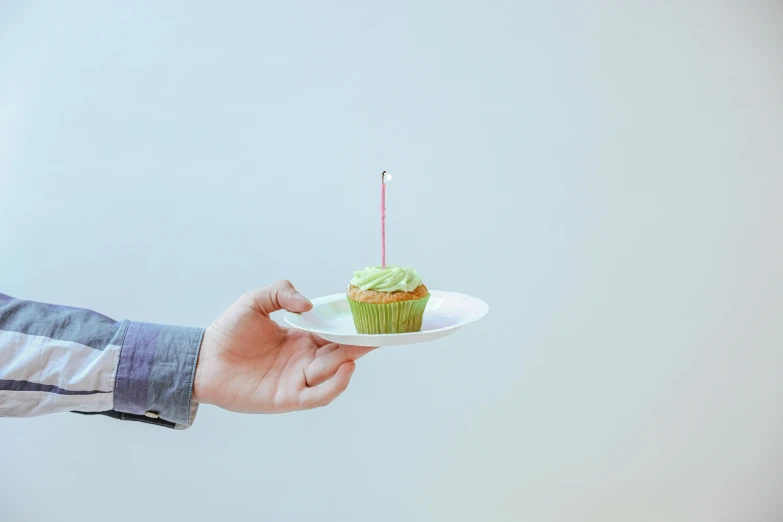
<point>339,296</point>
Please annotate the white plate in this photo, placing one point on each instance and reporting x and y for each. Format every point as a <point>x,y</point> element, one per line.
<point>446,313</point>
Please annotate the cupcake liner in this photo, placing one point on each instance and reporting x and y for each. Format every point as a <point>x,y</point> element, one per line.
<point>391,318</point>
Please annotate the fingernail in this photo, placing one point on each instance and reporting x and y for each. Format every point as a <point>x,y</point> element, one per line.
<point>300,297</point>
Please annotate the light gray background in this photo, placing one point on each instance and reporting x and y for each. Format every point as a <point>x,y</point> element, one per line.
<point>608,177</point>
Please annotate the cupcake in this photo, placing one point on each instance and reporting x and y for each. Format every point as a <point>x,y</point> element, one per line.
<point>387,300</point>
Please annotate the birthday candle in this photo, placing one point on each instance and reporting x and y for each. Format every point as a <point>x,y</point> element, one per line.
<point>385,178</point>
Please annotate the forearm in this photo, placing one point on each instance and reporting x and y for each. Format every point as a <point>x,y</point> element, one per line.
<point>55,358</point>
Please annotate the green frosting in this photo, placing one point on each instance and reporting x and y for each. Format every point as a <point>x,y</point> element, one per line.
<point>389,279</point>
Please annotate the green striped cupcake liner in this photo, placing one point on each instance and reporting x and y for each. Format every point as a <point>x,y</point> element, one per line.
<point>390,318</point>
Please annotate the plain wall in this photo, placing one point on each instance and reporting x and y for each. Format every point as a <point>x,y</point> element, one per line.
<point>607,176</point>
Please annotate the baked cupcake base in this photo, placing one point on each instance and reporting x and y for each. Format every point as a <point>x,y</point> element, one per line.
<point>388,312</point>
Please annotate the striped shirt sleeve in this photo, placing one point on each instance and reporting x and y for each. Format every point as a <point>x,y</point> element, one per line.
<point>55,358</point>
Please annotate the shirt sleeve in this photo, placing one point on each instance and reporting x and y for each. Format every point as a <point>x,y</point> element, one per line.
<point>55,358</point>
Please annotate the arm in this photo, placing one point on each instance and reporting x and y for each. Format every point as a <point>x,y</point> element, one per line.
<point>55,358</point>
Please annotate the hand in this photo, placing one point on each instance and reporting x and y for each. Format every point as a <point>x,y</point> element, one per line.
<point>250,364</point>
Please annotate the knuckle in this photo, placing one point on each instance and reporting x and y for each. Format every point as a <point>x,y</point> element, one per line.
<point>248,299</point>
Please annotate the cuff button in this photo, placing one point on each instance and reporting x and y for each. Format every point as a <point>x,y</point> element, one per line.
<point>151,415</point>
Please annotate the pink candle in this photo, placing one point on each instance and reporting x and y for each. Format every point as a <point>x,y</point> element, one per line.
<point>383,219</point>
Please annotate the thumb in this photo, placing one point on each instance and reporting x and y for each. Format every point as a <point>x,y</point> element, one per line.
<point>280,296</point>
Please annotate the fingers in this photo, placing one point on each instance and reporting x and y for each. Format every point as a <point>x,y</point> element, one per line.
<point>326,347</point>
<point>357,352</point>
<point>328,391</point>
<point>279,296</point>
<point>325,365</point>
<point>320,342</point>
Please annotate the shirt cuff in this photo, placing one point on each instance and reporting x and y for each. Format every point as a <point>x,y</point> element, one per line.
<point>155,372</point>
